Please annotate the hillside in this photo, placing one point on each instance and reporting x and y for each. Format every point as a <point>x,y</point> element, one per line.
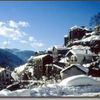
<point>7,59</point>
<point>22,54</point>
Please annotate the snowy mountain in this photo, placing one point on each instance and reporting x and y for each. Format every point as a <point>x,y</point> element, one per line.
<point>8,59</point>
<point>22,54</point>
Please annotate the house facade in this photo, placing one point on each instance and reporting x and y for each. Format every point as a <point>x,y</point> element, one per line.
<point>74,69</point>
<point>53,70</point>
<point>58,52</point>
<point>40,62</point>
<point>5,77</point>
<point>80,56</point>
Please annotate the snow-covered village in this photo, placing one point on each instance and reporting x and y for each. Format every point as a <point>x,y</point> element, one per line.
<point>49,49</point>
<point>69,70</point>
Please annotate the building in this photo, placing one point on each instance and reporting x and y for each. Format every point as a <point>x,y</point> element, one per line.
<point>80,56</point>
<point>74,69</point>
<point>5,77</point>
<point>39,66</point>
<point>53,70</point>
<point>58,52</point>
<point>77,32</point>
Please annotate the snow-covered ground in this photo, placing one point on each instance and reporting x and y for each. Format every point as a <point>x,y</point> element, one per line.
<point>60,89</point>
<point>54,90</point>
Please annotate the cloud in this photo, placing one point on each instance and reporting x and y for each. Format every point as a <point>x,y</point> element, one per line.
<point>12,29</point>
<point>23,24</point>
<point>31,39</point>
<point>14,24</point>
<point>23,41</point>
<point>34,42</point>
<point>2,23</point>
<point>37,44</point>
<point>6,43</point>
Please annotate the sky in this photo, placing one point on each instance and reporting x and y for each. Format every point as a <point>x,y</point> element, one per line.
<point>40,25</point>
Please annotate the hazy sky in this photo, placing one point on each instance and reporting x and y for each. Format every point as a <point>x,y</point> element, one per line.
<point>40,25</point>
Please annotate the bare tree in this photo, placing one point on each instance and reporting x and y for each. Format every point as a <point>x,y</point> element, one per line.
<point>95,20</point>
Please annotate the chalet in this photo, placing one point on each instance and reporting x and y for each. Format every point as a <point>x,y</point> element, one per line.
<point>5,77</point>
<point>74,69</point>
<point>80,56</point>
<point>58,52</point>
<point>40,62</point>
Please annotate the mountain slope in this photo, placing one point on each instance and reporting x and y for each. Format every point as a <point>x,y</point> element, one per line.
<point>24,55</point>
<point>9,59</point>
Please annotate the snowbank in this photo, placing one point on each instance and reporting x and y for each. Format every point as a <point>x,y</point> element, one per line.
<point>79,80</point>
<point>53,90</point>
<point>79,85</point>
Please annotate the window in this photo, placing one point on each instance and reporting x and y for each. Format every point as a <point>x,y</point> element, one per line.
<point>7,75</point>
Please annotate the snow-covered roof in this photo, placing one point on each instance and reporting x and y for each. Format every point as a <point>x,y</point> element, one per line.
<point>40,56</point>
<point>63,60</point>
<point>60,47</point>
<point>92,33</point>
<point>92,37</point>
<point>54,66</point>
<point>78,66</point>
<point>20,68</point>
<point>76,27</point>
<point>79,47</point>
<point>87,65</point>
<point>81,52</point>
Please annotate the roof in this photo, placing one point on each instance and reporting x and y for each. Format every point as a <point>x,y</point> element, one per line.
<point>81,52</point>
<point>60,47</point>
<point>40,56</point>
<point>78,27</point>
<point>63,60</point>
<point>78,66</point>
<point>55,66</point>
<point>90,38</point>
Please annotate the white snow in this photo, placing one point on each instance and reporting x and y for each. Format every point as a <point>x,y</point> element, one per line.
<point>74,27</point>
<point>78,66</point>
<point>64,60</point>
<point>80,85</point>
<point>92,37</point>
<point>78,27</point>
<point>17,71</point>
<point>79,80</point>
